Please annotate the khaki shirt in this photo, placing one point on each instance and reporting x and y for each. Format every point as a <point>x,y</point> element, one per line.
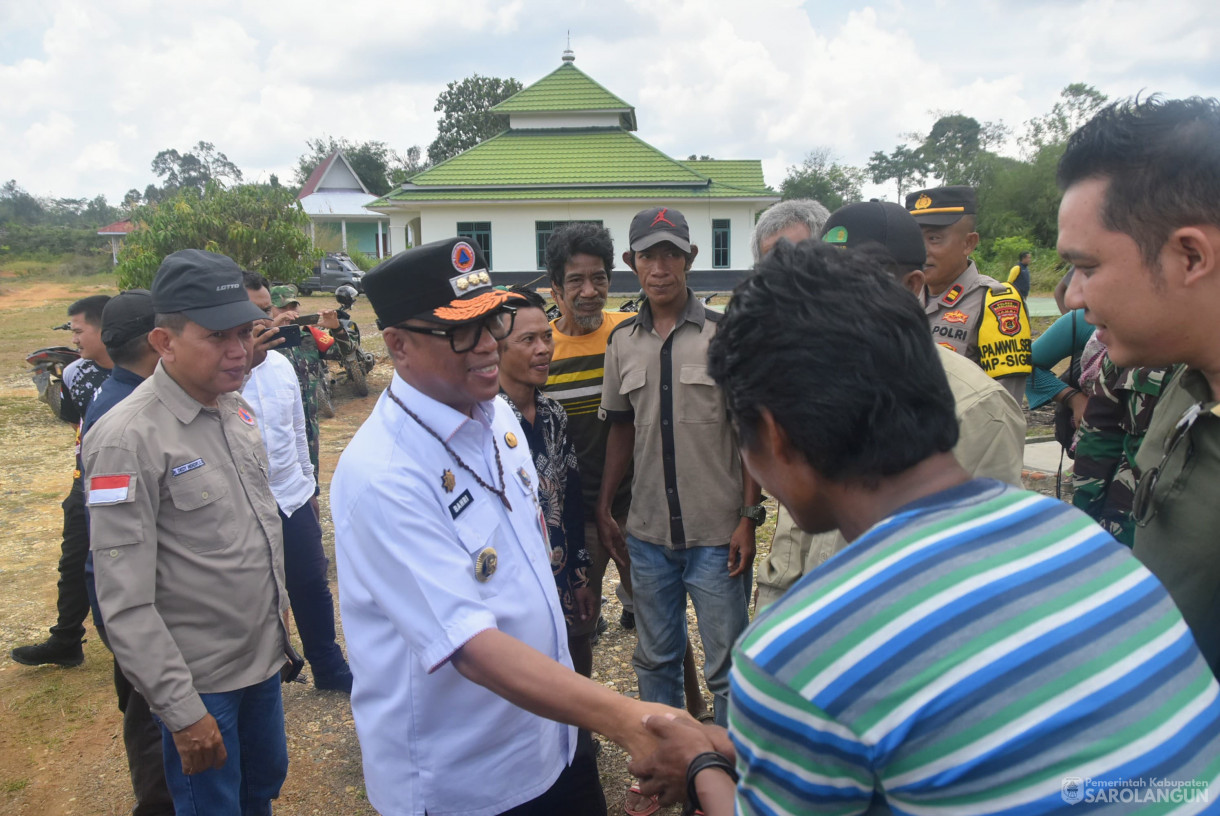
<point>1180,543</point>
<point>687,490</point>
<point>990,444</point>
<point>187,546</point>
<point>955,315</point>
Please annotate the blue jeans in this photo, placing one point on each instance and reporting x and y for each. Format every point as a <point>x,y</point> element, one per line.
<point>251,721</point>
<point>313,607</point>
<point>660,581</point>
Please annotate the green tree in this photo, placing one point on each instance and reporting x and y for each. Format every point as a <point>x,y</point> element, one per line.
<point>195,168</point>
<point>260,226</point>
<point>377,165</point>
<point>904,166</point>
<point>823,179</point>
<point>466,119</point>
<point>955,150</point>
<point>1077,104</point>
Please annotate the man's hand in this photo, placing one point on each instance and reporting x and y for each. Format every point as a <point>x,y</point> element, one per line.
<point>328,319</point>
<point>317,511</point>
<point>741,548</point>
<point>663,773</point>
<point>200,746</point>
<point>585,602</point>
<point>284,318</point>
<point>611,536</point>
<point>265,338</point>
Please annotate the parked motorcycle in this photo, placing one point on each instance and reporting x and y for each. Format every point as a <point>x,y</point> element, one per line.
<point>48,372</point>
<point>356,363</point>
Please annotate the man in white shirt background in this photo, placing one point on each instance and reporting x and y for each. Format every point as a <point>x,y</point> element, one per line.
<point>273,393</point>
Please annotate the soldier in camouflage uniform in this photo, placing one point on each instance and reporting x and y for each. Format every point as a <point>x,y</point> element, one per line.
<point>1115,421</point>
<point>307,359</point>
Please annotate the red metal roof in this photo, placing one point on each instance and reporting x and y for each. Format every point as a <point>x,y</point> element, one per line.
<point>315,178</point>
<point>117,228</point>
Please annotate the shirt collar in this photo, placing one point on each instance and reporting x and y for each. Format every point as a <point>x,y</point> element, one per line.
<point>125,376</point>
<point>435,414</point>
<point>694,313</point>
<point>182,405</point>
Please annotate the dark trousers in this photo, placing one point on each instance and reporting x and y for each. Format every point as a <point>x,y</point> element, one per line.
<point>142,739</point>
<point>313,607</point>
<point>73,601</point>
<point>577,791</point>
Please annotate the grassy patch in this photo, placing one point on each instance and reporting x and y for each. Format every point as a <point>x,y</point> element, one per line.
<point>14,785</point>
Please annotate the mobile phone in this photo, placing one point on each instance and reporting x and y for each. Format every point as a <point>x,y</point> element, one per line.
<point>291,335</point>
<point>307,320</point>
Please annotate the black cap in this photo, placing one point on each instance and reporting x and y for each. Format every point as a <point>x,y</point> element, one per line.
<point>444,282</point>
<point>652,226</point>
<point>881,223</point>
<point>127,316</point>
<point>204,286</point>
<point>942,206</point>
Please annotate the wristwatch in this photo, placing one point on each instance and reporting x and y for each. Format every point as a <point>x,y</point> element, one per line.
<point>756,513</point>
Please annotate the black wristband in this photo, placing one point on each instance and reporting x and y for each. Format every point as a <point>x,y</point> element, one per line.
<point>708,759</point>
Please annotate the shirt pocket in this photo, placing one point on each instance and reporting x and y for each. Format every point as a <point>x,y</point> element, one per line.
<point>700,399</point>
<point>631,386</point>
<point>196,515</point>
<point>478,531</point>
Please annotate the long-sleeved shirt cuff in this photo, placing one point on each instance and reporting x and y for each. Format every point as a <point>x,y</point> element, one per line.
<point>184,713</point>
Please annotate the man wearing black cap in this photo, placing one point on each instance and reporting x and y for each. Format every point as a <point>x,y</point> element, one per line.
<point>188,556</point>
<point>454,630</point>
<point>969,313</point>
<point>691,526</point>
<point>126,321</point>
<point>991,438</point>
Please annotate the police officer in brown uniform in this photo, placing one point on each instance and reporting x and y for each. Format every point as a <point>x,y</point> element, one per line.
<point>968,312</point>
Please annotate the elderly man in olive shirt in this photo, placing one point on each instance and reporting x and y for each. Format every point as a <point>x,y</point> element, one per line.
<point>187,546</point>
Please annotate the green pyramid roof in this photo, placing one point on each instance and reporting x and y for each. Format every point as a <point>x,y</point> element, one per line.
<point>567,88</point>
<point>561,164</point>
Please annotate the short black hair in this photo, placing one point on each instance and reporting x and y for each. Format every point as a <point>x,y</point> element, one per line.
<point>129,352</point>
<point>1024,255</point>
<point>841,356</point>
<point>533,300</point>
<point>254,281</point>
<point>577,238</point>
<point>91,307</point>
<point>171,321</point>
<point>1161,158</point>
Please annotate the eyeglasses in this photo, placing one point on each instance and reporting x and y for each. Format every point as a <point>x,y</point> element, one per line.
<point>465,337</point>
<point>1142,506</point>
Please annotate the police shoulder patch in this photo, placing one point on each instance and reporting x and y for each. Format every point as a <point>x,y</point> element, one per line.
<point>951,297</point>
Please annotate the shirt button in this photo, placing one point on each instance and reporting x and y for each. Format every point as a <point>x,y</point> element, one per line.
<point>669,490</point>
<point>665,388</point>
<point>665,422</point>
<point>205,494</point>
<point>114,553</point>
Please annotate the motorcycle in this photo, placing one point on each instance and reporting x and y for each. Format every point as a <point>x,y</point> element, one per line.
<point>48,371</point>
<point>357,362</point>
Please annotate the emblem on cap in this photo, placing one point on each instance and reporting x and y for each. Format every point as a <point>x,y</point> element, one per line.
<point>838,235</point>
<point>511,439</point>
<point>485,565</point>
<point>462,256</point>
<point>447,481</point>
<point>923,202</point>
<point>465,283</point>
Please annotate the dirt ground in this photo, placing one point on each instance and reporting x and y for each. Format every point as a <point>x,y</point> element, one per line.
<point>61,749</point>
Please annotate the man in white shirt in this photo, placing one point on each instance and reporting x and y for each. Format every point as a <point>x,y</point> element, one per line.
<point>463,680</point>
<point>271,389</point>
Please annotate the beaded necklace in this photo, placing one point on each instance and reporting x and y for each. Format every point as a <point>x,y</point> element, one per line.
<point>501,492</point>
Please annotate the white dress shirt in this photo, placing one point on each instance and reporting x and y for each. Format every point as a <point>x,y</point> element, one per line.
<point>274,393</point>
<point>410,526</point>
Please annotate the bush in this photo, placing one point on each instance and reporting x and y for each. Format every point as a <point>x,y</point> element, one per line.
<point>362,260</point>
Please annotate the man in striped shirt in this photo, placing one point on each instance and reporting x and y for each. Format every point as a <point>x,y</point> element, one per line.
<point>977,648</point>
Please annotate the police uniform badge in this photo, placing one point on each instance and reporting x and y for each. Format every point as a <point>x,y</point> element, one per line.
<point>485,565</point>
<point>955,292</point>
<point>447,480</point>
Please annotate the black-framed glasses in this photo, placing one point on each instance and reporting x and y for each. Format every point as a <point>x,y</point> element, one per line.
<point>1143,508</point>
<point>465,337</point>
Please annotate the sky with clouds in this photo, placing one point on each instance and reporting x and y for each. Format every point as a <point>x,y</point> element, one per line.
<point>92,91</point>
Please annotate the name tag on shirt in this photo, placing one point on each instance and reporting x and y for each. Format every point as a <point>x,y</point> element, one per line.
<point>187,468</point>
<point>460,503</point>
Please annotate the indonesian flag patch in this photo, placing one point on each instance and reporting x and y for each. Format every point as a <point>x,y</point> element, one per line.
<point>110,489</point>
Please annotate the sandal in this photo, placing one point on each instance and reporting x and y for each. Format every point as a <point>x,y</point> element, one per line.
<point>653,804</point>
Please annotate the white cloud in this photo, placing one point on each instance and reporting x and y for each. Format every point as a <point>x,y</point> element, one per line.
<point>93,92</point>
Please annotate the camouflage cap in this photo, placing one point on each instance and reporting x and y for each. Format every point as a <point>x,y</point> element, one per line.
<point>281,296</point>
